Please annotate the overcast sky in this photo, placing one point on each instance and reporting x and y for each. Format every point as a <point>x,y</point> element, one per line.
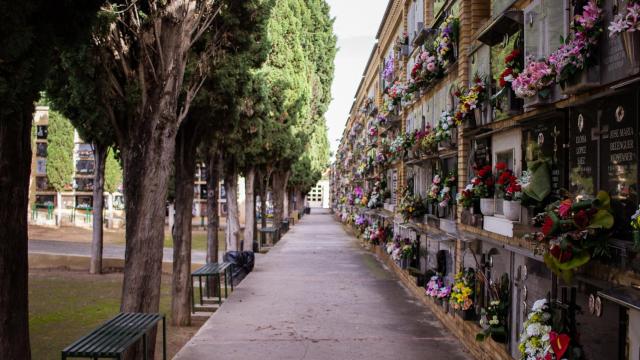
<point>356,26</point>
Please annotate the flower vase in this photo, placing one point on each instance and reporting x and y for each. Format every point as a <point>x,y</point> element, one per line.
<point>404,263</point>
<point>631,44</point>
<point>583,80</point>
<point>470,122</point>
<point>467,315</point>
<point>499,337</point>
<point>539,99</point>
<point>511,210</point>
<point>487,206</point>
<point>515,104</point>
<point>442,212</point>
<point>475,209</point>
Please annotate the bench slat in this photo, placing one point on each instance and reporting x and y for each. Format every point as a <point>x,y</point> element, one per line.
<point>114,336</point>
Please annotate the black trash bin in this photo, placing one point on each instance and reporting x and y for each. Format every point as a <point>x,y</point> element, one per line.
<point>243,262</point>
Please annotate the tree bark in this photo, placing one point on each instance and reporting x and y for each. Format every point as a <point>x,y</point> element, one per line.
<point>100,157</point>
<point>264,185</point>
<point>148,157</point>
<point>233,219</point>
<point>213,217</point>
<point>15,168</point>
<point>280,180</point>
<point>185,168</point>
<point>250,209</point>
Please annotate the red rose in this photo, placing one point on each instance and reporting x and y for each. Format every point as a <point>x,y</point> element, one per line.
<point>501,166</point>
<point>482,173</point>
<point>547,226</point>
<point>581,218</point>
<point>489,182</point>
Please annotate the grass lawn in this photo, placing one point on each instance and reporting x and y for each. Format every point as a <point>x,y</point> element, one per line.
<point>65,305</point>
<point>198,241</point>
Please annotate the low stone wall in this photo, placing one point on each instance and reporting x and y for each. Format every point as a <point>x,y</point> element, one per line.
<point>45,261</point>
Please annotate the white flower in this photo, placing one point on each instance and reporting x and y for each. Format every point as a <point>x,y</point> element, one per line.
<point>539,305</point>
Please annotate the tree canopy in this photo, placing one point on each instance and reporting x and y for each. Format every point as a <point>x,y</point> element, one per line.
<point>60,166</point>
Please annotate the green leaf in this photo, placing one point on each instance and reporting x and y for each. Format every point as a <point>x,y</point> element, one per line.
<point>602,220</point>
<point>481,336</point>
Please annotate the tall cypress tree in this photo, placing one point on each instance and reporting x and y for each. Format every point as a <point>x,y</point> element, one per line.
<point>29,32</point>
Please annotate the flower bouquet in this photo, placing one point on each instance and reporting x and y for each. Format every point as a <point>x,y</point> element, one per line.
<point>627,26</point>
<point>483,188</point>
<point>443,132</point>
<point>426,69</point>
<point>574,232</point>
<point>536,79</point>
<point>466,197</point>
<point>578,50</point>
<point>436,289</point>
<point>462,293</point>
<point>535,342</point>
<point>494,319</point>
<point>446,41</point>
<point>434,191</point>
<point>635,225</point>
<point>471,101</point>
<point>445,197</point>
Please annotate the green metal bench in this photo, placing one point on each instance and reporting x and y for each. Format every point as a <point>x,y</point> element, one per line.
<point>215,270</point>
<point>114,337</point>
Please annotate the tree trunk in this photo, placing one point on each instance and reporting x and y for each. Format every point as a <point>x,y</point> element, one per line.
<point>233,219</point>
<point>250,209</point>
<point>213,217</point>
<point>264,185</point>
<point>100,157</point>
<point>280,180</point>
<point>185,168</point>
<point>15,168</point>
<point>148,157</point>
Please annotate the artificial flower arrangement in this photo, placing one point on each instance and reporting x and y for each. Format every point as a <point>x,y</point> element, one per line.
<point>444,129</point>
<point>578,50</point>
<point>574,55</point>
<point>505,181</point>
<point>535,341</point>
<point>626,22</point>
<point>544,338</point>
<point>426,69</point>
<point>494,318</point>
<point>436,288</point>
<point>373,131</point>
<point>410,206</point>
<point>418,136</point>
<point>483,183</point>
<point>396,92</point>
<point>513,67</point>
<point>428,144</point>
<point>434,189</point>
<point>446,41</point>
<point>535,79</point>
<point>466,197</point>
<point>462,293</point>
<point>389,68</point>
<point>445,199</point>
<point>574,232</point>
<point>361,223</point>
<point>470,98</point>
<point>358,193</point>
<point>635,225</point>
<point>401,40</point>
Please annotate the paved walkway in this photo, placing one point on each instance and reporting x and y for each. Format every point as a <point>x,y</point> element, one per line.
<point>318,296</point>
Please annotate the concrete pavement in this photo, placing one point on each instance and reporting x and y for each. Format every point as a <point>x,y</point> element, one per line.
<point>318,296</point>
